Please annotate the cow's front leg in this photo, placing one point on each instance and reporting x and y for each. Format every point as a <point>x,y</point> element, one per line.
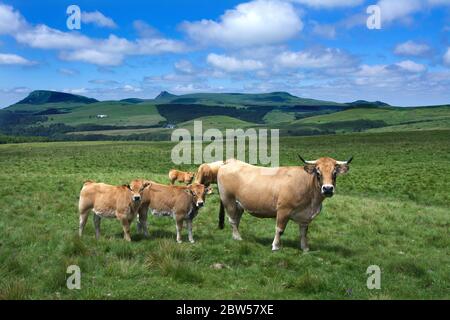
<point>282,220</point>
<point>179,228</point>
<point>142,223</point>
<point>304,237</point>
<point>126,228</point>
<point>189,226</point>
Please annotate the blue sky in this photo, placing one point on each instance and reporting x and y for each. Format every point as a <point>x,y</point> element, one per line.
<point>319,49</point>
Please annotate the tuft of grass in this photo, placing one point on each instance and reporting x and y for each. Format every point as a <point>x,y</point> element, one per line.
<point>14,290</point>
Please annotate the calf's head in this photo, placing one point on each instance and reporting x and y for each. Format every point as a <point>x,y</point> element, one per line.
<point>189,177</point>
<point>198,192</point>
<point>137,187</point>
<point>326,171</point>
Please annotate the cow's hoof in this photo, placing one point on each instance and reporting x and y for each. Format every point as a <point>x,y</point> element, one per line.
<point>238,238</point>
<point>192,241</point>
<point>275,248</point>
<point>305,250</point>
<point>179,241</point>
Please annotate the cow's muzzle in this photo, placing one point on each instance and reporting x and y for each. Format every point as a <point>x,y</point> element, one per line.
<point>327,190</point>
<point>200,204</point>
<point>136,198</point>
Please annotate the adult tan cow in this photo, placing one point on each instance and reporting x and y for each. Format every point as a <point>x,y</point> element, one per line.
<point>284,193</point>
<point>107,201</point>
<point>180,176</point>
<point>179,202</point>
<point>207,173</point>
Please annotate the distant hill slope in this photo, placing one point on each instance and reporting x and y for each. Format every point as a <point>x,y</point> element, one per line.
<point>43,96</point>
<point>367,104</point>
<point>241,99</point>
<point>57,114</point>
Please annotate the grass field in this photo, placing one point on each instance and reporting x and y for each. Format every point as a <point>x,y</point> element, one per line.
<point>392,210</point>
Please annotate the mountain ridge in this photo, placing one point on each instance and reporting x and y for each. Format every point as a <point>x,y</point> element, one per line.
<point>38,97</point>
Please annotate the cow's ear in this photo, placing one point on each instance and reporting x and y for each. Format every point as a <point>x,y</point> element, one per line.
<point>342,168</point>
<point>209,190</point>
<point>127,186</point>
<point>310,168</point>
<point>146,184</point>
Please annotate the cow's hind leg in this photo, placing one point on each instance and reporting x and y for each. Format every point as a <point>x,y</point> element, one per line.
<point>84,214</point>
<point>282,220</point>
<point>234,211</point>
<point>97,220</point>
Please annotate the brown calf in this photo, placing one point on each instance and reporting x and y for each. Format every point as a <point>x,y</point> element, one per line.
<point>207,173</point>
<point>120,202</point>
<point>180,202</point>
<point>180,176</point>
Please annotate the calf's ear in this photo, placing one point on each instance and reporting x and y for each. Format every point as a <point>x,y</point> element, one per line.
<point>127,186</point>
<point>209,190</point>
<point>342,168</point>
<point>146,184</point>
<point>310,168</point>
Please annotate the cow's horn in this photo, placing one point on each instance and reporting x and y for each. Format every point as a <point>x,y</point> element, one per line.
<point>305,161</point>
<point>345,162</point>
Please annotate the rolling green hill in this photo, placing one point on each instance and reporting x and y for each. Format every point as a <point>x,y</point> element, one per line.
<point>44,96</point>
<point>64,116</point>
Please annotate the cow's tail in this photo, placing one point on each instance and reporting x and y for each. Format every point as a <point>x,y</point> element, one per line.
<point>221,216</point>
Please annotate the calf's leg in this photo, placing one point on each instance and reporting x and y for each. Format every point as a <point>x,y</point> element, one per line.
<point>189,226</point>
<point>126,228</point>
<point>142,223</point>
<point>83,219</point>
<point>179,228</point>
<point>97,220</point>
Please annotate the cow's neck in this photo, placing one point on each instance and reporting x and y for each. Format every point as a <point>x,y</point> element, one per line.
<point>315,192</point>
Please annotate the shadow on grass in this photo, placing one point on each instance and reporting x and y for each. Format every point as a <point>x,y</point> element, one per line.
<point>267,242</point>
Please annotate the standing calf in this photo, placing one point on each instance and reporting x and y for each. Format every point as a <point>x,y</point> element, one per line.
<point>120,202</point>
<point>207,173</point>
<point>180,176</point>
<point>180,202</point>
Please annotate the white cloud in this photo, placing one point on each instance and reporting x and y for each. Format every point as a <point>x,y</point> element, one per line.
<point>232,64</point>
<point>447,57</point>
<point>130,88</point>
<point>13,59</point>
<point>184,66</point>
<point>145,30</point>
<point>312,59</point>
<point>329,3</point>
<point>10,20</point>
<point>68,72</point>
<point>74,46</point>
<point>44,37</point>
<point>259,22</point>
<point>398,9</point>
<point>411,48</point>
<point>97,18</point>
<point>93,56</point>
<point>327,31</point>
<point>411,66</point>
